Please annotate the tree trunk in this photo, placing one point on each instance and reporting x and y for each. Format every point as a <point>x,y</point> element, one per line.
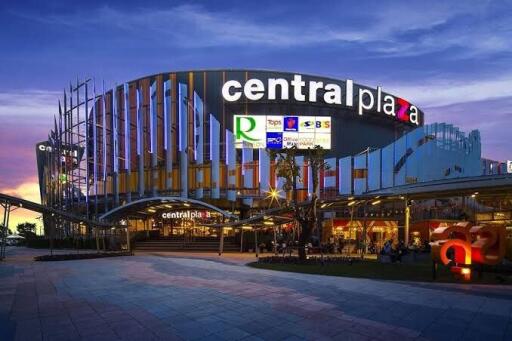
<point>306,228</point>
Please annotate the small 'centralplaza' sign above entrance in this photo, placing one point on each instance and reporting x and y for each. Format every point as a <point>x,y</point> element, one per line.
<point>189,214</point>
<point>364,100</point>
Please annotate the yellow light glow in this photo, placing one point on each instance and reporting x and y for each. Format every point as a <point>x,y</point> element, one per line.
<point>269,223</point>
<point>351,203</point>
<point>465,271</point>
<point>246,227</point>
<point>273,194</point>
<point>376,202</point>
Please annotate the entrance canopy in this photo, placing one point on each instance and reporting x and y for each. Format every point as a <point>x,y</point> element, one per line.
<point>147,207</point>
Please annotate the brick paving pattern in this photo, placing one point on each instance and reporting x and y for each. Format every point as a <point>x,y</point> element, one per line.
<point>149,297</point>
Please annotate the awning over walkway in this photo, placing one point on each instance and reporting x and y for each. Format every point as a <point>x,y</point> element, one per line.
<point>147,207</point>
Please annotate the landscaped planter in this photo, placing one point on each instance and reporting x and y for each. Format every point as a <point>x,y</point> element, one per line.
<point>77,256</point>
<point>310,260</point>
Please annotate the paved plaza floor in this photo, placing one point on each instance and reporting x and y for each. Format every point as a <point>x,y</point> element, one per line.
<point>204,297</point>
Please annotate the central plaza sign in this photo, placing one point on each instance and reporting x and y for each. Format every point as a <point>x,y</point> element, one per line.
<point>187,214</point>
<point>365,100</point>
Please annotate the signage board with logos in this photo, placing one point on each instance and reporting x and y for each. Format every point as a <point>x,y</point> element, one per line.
<point>279,132</point>
<point>509,166</point>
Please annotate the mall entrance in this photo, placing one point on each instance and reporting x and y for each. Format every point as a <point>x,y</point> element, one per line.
<point>176,224</point>
<point>188,224</point>
<point>185,230</point>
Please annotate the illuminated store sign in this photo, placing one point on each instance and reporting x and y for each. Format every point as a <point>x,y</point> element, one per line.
<point>69,155</point>
<point>277,132</point>
<point>365,100</point>
<point>509,166</point>
<point>190,214</point>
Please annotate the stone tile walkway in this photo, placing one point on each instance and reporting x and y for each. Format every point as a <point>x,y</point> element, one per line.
<point>149,297</point>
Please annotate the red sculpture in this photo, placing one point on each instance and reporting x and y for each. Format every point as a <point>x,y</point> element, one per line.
<point>478,244</point>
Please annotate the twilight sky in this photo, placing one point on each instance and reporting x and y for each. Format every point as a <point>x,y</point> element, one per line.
<point>452,59</point>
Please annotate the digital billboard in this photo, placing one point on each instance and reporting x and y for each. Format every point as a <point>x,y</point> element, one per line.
<point>278,132</point>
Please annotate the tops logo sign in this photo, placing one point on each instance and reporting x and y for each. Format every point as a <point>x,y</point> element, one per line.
<point>364,100</point>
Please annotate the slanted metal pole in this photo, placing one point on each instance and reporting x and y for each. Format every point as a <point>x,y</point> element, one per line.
<point>221,244</point>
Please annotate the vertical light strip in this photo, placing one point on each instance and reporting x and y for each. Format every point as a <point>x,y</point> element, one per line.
<point>198,144</point>
<point>115,129</point>
<point>140,142</point>
<point>152,118</point>
<point>248,171</point>
<point>231,165</point>
<point>104,131</point>
<point>215,156</point>
<point>182,118</point>
<point>139,151</point>
<point>127,127</point>
<point>115,145</point>
<point>227,147</point>
<point>183,137</point>
<point>211,136</point>
<point>167,134</point>
<point>153,137</point>
<point>166,111</point>
<point>95,143</point>
<point>127,141</point>
<point>86,145</point>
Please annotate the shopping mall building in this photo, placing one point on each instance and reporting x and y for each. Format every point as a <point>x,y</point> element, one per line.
<point>176,151</point>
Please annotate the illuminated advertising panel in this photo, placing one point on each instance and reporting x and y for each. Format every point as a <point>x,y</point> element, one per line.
<point>277,132</point>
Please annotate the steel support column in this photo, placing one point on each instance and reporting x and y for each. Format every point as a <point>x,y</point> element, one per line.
<point>407,221</point>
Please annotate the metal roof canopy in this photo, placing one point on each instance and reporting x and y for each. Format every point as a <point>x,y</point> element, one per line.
<point>35,207</point>
<point>494,185</point>
<point>138,208</point>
